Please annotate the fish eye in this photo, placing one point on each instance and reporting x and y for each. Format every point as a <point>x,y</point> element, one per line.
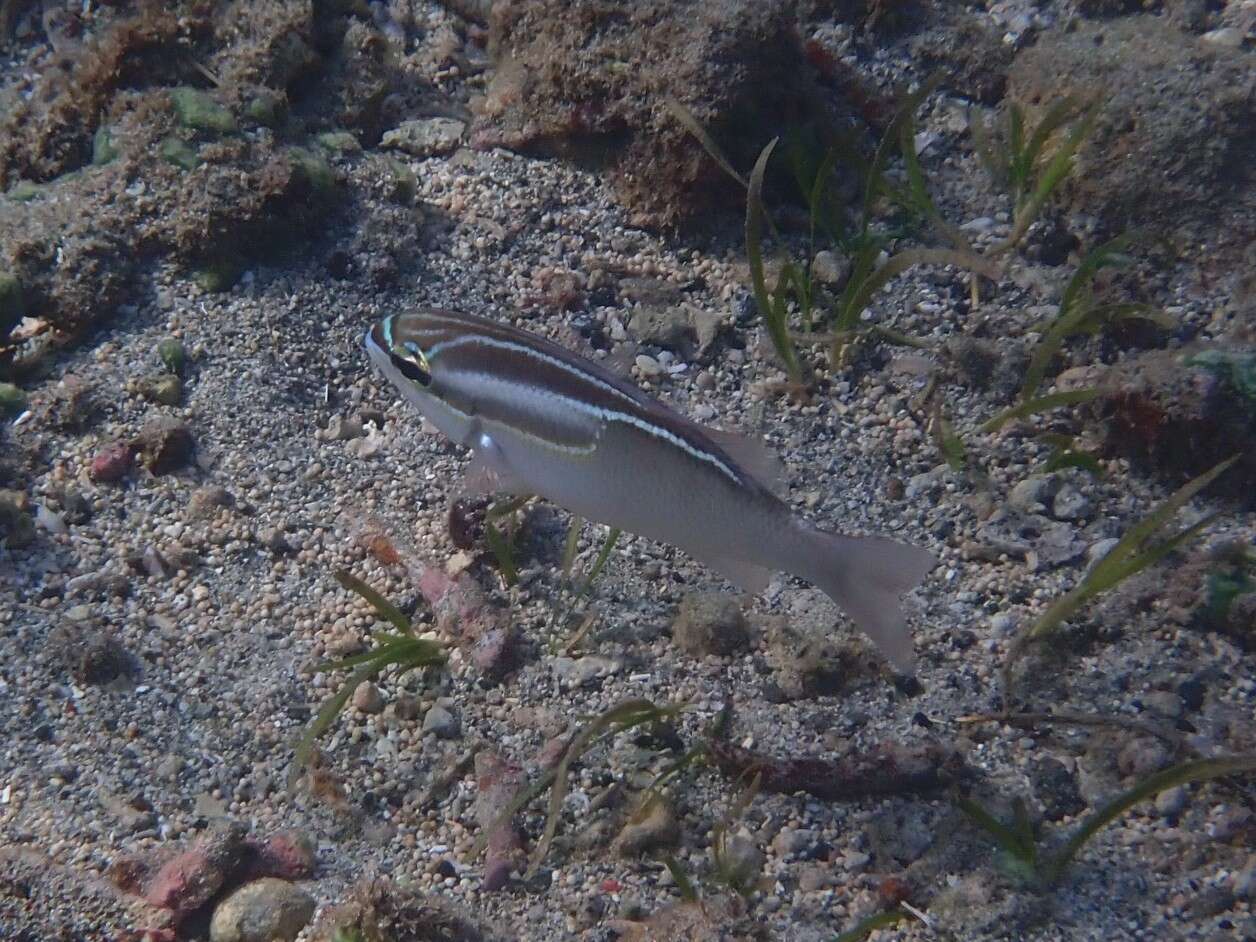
<point>412,364</point>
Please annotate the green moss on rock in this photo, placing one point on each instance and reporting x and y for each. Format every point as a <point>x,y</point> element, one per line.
<point>218,275</point>
<point>268,108</point>
<point>24,191</point>
<point>313,169</point>
<point>198,110</point>
<point>339,142</point>
<point>179,152</point>
<point>12,399</point>
<point>103,148</point>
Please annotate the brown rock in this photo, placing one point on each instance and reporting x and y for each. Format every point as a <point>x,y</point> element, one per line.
<point>1174,175</point>
<point>710,623</point>
<point>652,828</point>
<point>564,80</point>
<point>809,661</point>
<point>164,445</point>
<point>1181,412</point>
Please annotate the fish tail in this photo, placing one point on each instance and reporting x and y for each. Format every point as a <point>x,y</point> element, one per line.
<point>866,576</point>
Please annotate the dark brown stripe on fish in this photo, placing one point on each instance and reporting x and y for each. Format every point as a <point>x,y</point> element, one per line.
<point>525,381</point>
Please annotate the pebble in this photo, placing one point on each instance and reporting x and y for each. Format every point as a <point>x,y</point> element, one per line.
<point>1141,757</point>
<point>1004,624</point>
<point>791,842</point>
<point>814,877</point>
<point>367,698</point>
<point>1034,494</point>
<point>112,462</point>
<point>266,910</point>
<point>1099,549</point>
<point>580,672</point>
<point>1244,886</point>
<point>654,830</point>
<point>649,367</point>
<point>206,501</point>
<point>1071,504</point>
<point>1168,705</point>
<point>441,723</point>
<point>831,268</point>
<point>1171,801</point>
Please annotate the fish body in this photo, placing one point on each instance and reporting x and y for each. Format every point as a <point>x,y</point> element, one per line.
<point>543,420</point>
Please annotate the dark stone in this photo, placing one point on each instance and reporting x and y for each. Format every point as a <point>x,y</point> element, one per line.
<point>1056,788</point>
<point>1192,694</point>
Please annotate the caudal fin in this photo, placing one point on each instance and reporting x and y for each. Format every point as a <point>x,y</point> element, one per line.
<point>867,577</point>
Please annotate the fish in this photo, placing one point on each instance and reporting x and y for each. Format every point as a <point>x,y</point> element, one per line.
<point>542,420</point>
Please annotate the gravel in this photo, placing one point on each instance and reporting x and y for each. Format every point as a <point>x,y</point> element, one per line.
<point>165,645</point>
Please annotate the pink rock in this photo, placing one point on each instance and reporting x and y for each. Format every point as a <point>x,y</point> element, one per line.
<point>497,781</point>
<point>112,462</point>
<point>185,883</point>
<point>288,855</point>
<point>191,879</point>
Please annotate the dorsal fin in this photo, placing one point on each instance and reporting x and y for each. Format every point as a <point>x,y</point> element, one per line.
<point>752,455</point>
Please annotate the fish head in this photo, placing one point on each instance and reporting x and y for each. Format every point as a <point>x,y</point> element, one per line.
<point>396,348</point>
<point>399,359</point>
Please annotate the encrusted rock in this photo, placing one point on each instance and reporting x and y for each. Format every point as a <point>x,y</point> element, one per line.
<point>1203,95</point>
<point>1047,542</point>
<point>814,661</point>
<point>425,137</point>
<point>164,445</point>
<point>667,327</point>
<point>206,501</point>
<point>710,623</point>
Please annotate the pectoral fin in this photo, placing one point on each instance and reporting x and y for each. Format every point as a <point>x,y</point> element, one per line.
<point>746,576</point>
<point>752,456</point>
<point>489,473</point>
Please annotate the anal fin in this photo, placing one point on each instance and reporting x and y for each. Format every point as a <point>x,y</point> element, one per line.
<point>749,577</point>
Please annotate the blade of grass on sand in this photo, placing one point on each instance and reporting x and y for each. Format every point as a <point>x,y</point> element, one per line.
<point>571,546</point>
<point>772,315</point>
<point>1129,556</point>
<point>680,876</point>
<point>623,716</point>
<point>604,554</point>
<point>1200,770</point>
<point>500,545</point>
<point>617,719</point>
<point>326,715</point>
<point>1023,410</point>
<point>1011,841</point>
<point>384,608</point>
<point>853,306</point>
<point>1058,167</point>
